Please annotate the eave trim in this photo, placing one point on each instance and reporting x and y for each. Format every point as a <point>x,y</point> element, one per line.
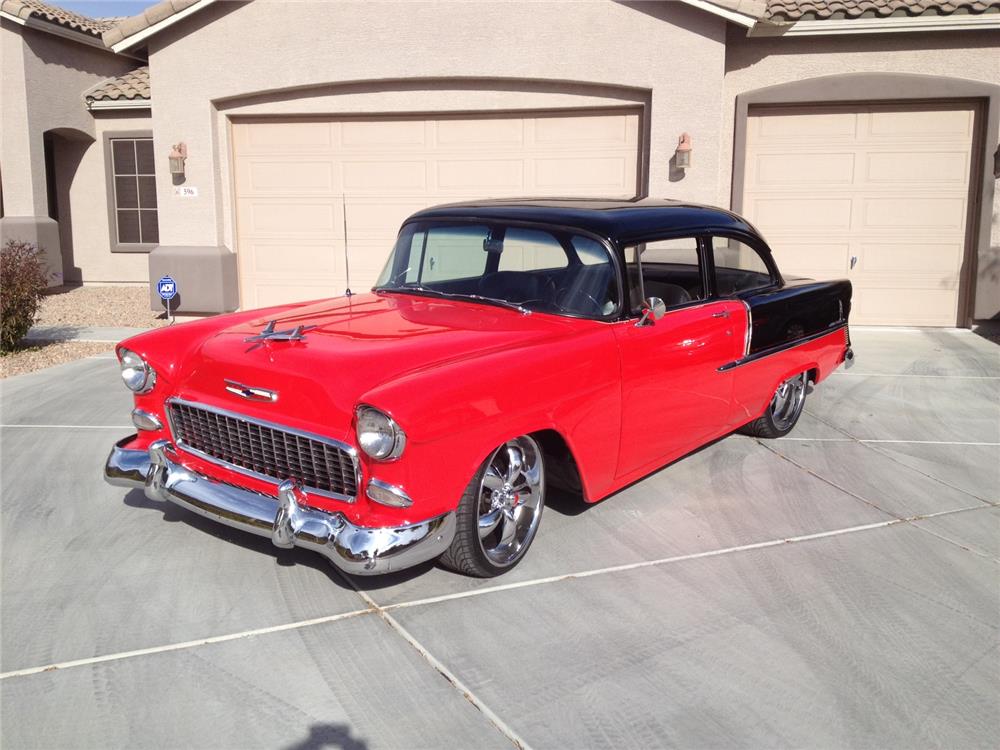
<point>730,15</point>
<point>156,28</point>
<point>93,104</point>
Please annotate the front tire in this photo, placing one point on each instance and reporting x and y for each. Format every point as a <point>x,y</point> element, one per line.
<point>783,412</point>
<point>499,513</point>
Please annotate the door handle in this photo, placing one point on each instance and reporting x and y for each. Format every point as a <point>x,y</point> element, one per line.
<point>854,261</point>
<point>721,314</point>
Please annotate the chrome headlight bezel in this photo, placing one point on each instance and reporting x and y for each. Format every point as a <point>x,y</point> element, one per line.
<point>137,374</point>
<point>378,434</point>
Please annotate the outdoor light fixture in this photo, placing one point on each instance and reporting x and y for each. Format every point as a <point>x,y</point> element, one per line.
<point>177,156</point>
<point>682,156</point>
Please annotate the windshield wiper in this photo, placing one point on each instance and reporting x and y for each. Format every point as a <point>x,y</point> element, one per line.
<point>416,288</point>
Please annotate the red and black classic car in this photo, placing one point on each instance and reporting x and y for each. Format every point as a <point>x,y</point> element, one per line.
<point>508,348</point>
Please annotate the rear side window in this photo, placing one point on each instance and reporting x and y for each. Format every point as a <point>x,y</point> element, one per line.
<point>671,270</point>
<point>738,267</point>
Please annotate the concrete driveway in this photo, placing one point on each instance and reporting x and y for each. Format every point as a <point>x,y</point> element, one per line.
<point>839,588</point>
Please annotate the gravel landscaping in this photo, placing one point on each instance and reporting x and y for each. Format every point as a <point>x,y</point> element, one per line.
<point>117,306</point>
<point>78,306</point>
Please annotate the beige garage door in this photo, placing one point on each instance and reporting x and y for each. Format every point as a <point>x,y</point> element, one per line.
<point>876,193</point>
<point>290,177</point>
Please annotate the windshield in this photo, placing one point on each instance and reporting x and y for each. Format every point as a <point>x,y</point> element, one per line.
<point>532,268</point>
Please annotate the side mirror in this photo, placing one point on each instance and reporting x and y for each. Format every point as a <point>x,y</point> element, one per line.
<point>654,308</point>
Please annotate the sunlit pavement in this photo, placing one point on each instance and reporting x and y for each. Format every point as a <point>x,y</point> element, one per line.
<point>837,588</point>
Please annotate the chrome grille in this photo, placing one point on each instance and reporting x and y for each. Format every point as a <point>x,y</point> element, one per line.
<point>265,450</point>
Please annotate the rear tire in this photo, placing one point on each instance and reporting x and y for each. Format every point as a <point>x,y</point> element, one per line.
<point>783,412</point>
<point>499,512</point>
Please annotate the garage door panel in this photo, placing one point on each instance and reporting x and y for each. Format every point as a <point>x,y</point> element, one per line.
<point>782,169</point>
<point>913,168</point>
<point>384,134</point>
<point>280,258</point>
<point>929,213</point>
<point>813,260</point>
<point>901,212</point>
<point>495,174</point>
<point>476,133</point>
<point>262,176</point>
<point>903,307</point>
<point>932,259</point>
<point>288,137</point>
<point>268,293</point>
<point>781,214</point>
<point>605,130</point>
<point>384,176</point>
<point>909,123</point>
<point>580,173</point>
<point>287,217</point>
<point>780,125</point>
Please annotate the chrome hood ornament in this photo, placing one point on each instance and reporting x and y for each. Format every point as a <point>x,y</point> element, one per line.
<point>269,334</point>
<point>251,393</point>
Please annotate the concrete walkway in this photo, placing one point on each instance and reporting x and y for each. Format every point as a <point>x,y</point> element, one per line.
<point>39,334</point>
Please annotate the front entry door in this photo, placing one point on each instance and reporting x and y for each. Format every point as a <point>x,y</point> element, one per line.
<point>674,398</point>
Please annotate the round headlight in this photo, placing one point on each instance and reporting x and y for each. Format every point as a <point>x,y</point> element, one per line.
<point>136,372</point>
<point>378,435</point>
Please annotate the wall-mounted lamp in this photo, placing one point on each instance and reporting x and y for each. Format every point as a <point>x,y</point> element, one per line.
<point>178,154</point>
<point>682,156</point>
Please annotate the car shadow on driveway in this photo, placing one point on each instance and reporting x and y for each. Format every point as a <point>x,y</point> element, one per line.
<point>285,557</point>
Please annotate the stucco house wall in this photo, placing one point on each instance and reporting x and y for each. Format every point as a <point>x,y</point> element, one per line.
<point>429,57</point>
<point>755,63</point>
<point>85,229</point>
<point>57,72</point>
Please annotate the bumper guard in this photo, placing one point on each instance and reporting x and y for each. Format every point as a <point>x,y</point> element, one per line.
<point>357,550</point>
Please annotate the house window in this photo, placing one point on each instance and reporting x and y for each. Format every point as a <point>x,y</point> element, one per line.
<point>134,191</point>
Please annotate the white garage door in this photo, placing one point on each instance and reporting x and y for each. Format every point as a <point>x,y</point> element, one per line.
<point>290,177</point>
<point>876,193</point>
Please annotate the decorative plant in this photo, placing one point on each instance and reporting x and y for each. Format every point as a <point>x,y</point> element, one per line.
<point>22,282</point>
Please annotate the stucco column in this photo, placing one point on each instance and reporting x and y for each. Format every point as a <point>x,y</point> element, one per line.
<point>22,156</point>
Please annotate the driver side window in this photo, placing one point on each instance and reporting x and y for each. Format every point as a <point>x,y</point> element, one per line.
<point>671,270</point>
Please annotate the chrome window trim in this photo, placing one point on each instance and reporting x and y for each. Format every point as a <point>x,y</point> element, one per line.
<point>349,449</point>
<point>749,333</point>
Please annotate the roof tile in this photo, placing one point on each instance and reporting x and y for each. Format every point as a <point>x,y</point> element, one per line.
<point>26,9</point>
<point>799,10</point>
<point>129,86</point>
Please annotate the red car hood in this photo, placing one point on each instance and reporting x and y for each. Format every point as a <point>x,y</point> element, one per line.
<point>350,346</point>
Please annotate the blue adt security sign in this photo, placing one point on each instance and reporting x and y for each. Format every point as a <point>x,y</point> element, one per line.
<point>166,287</point>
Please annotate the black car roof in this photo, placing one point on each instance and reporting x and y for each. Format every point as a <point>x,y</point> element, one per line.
<point>618,220</point>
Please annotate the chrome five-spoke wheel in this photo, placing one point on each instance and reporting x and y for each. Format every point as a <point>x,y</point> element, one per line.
<point>500,511</point>
<point>786,406</point>
<point>784,410</point>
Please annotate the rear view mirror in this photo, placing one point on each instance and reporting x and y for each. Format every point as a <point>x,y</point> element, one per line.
<point>653,308</point>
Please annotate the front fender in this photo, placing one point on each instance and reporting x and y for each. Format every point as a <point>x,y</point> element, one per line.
<point>454,415</point>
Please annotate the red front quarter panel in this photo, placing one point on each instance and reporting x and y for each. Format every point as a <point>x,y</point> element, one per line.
<point>455,415</point>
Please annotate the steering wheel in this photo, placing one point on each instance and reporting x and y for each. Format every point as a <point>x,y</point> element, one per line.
<point>578,301</point>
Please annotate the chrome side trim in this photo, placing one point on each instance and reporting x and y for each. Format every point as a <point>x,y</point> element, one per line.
<point>782,347</point>
<point>286,520</point>
<point>349,449</point>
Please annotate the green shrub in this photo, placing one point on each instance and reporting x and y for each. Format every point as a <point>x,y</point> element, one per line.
<point>22,282</point>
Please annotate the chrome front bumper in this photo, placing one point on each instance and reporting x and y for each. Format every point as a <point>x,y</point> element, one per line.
<point>358,550</point>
